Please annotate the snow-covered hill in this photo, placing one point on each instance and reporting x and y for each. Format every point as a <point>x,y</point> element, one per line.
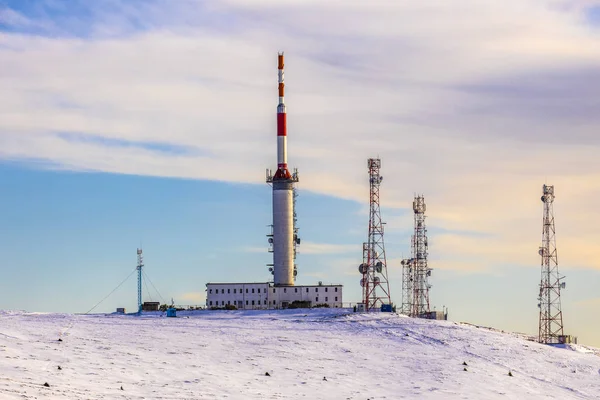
<point>313,354</point>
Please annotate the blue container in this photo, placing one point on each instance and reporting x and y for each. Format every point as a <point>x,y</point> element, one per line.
<point>171,312</point>
<point>386,308</point>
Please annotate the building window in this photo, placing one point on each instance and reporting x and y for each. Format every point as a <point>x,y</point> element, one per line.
<point>223,303</point>
<point>228,302</point>
<point>317,299</point>
<point>246,290</point>
<point>336,289</point>
<point>284,290</point>
<point>316,289</point>
<point>325,289</point>
<point>210,291</point>
<point>295,290</point>
<point>336,298</point>
<point>273,290</point>
<point>265,302</point>
<point>306,290</point>
<point>326,299</point>
<point>265,291</point>
<point>252,290</point>
<point>252,302</point>
<point>233,291</point>
<point>211,303</point>
<point>228,291</point>
<point>222,291</point>
<point>246,302</point>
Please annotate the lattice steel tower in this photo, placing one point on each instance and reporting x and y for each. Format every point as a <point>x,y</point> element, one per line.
<point>551,323</point>
<point>140,265</point>
<point>415,271</point>
<point>407,286</point>
<point>421,271</point>
<point>375,285</point>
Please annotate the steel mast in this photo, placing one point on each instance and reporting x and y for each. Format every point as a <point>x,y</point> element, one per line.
<point>421,270</point>
<point>415,270</point>
<point>550,322</point>
<point>375,285</point>
<point>140,265</point>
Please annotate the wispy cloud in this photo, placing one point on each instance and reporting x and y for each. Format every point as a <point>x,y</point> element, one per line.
<point>12,19</point>
<point>589,303</point>
<point>325,248</point>
<point>250,249</point>
<point>191,298</point>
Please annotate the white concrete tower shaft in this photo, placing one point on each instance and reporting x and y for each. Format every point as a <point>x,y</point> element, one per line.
<point>283,233</point>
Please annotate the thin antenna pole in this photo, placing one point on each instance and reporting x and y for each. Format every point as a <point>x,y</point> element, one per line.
<point>140,265</point>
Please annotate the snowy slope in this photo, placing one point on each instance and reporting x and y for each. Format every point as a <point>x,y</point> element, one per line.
<point>225,354</point>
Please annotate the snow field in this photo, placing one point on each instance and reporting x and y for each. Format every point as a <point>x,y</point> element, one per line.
<point>225,354</point>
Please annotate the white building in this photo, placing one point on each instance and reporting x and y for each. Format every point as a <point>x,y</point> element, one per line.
<point>256,296</point>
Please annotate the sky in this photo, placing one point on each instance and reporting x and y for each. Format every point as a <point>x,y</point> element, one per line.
<point>151,123</point>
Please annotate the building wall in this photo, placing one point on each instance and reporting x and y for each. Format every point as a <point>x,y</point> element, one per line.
<point>324,294</point>
<point>252,296</point>
<point>242,295</point>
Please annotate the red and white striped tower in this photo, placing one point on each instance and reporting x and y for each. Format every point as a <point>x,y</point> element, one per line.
<point>283,236</point>
<point>282,170</point>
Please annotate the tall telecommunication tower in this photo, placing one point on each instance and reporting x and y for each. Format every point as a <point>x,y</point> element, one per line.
<point>140,265</point>
<point>376,289</point>
<point>415,271</point>
<point>551,323</point>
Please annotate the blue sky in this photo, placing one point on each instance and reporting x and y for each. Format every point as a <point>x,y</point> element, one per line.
<point>152,122</point>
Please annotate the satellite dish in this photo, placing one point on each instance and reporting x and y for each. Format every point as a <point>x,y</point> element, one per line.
<point>362,282</point>
<point>376,280</point>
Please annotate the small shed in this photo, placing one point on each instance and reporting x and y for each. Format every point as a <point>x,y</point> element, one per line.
<point>150,306</point>
<point>386,308</point>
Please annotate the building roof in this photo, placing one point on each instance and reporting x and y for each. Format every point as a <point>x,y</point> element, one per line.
<point>237,283</point>
<point>271,284</point>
